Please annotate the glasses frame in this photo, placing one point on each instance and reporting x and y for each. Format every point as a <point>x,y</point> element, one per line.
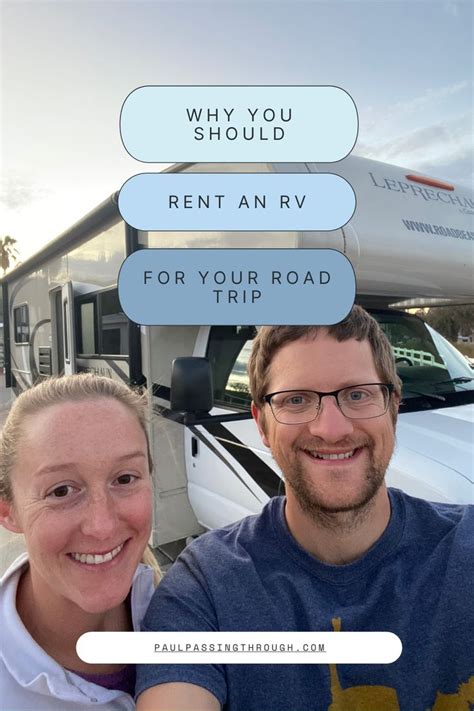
<point>333,393</point>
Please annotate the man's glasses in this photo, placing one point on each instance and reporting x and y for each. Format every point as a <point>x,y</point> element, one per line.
<point>357,402</point>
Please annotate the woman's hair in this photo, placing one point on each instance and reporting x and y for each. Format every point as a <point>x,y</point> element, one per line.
<point>54,391</point>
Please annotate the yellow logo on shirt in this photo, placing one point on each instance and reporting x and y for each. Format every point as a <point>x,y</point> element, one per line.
<point>384,698</point>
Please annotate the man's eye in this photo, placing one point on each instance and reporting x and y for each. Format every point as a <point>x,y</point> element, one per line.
<point>61,492</point>
<point>357,395</point>
<point>295,400</point>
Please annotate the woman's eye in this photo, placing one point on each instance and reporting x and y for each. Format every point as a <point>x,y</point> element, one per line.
<point>125,479</point>
<point>60,492</point>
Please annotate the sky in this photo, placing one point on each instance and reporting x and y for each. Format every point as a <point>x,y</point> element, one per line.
<point>67,67</point>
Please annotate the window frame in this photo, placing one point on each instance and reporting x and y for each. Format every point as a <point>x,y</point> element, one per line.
<point>16,309</point>
<point>95,298</point>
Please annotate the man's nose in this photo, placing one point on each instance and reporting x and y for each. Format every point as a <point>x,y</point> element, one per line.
<point>99,516</point>
<point>330,424</point>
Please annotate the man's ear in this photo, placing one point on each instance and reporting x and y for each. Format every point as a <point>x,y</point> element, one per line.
<point>396,399</point>
<point>396,405</point>
<point>258,416</point>
<point>8,517</point>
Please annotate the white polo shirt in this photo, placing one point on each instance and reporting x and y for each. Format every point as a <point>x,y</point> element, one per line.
<point>31,679</point>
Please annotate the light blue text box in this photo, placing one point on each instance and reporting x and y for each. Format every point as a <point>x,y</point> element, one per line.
<point>236,201</point>
<point>244,286</point>
<point>173,124</point>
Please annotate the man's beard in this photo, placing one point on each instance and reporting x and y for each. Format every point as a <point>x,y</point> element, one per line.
<point>337,516</point>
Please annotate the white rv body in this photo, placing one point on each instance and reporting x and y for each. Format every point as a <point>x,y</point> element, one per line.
<point>209,475</point>
<point>395,217</point>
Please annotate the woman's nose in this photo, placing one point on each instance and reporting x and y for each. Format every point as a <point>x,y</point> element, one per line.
<point>99,517</point>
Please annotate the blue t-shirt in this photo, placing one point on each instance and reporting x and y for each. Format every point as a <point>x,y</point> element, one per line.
<point>416,581</point>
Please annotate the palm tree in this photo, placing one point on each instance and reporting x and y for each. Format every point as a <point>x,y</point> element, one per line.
<point>8,252</point>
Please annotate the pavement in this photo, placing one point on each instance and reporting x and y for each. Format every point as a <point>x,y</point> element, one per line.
<point>11,544</point>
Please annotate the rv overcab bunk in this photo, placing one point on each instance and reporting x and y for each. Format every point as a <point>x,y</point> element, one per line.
<point>411,238</point>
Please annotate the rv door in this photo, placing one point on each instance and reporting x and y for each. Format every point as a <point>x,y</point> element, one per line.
<point>69,339</point>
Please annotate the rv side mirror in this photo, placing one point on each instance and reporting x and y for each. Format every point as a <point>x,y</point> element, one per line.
<point>191,385</point>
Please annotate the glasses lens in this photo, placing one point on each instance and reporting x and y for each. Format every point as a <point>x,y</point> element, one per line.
<point>295,407</point>
<point>364,401</point>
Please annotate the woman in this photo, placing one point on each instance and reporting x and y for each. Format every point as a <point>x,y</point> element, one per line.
<point>75,480</point>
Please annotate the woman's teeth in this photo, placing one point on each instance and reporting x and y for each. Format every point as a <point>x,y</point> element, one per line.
<point>95,559</point>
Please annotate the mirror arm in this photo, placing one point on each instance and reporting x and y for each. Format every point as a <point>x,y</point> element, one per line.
<point>201,418</point>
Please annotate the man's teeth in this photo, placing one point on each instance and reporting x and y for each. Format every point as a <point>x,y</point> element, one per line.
<point>343,455</point>
<point>95,559</point>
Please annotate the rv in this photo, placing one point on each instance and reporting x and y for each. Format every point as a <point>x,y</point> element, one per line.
<point>410,242</point>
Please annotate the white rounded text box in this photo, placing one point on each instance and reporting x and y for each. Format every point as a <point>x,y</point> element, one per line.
<point>239,647</point>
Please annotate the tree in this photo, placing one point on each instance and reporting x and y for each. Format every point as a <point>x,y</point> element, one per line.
<point>452,320</point>
<point>8,252</point>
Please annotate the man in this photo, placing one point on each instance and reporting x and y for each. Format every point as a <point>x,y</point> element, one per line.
<point>340,551</point>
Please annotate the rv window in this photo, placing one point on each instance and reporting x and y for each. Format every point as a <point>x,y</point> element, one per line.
<point>87,341</point>
<point>228,353</point>
<point>102,327</point>
<point>426,363</point>
<point>22,324</point>
<point>66,335</point>
<point>114,325</point>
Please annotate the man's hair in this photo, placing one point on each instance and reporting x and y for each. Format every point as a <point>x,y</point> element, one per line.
<point>358,325</point>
